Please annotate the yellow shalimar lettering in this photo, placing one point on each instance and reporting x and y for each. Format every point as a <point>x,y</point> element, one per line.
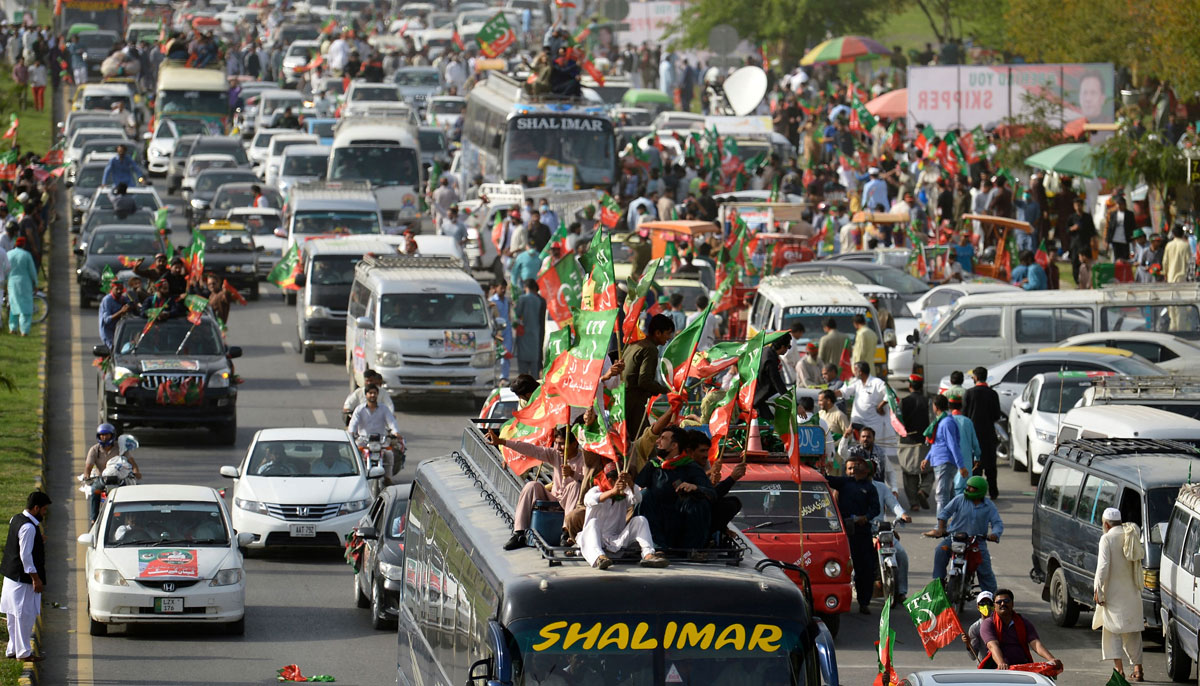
<point>734,635</point>
<point>574,635</point>
<point>669,634</point>
<point>616,635</point>
<point>550,633</point>
<point>765,637</point>
<point>693,636</point>
<point>640,642</point>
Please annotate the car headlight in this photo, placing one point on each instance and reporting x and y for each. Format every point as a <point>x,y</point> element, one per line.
<point>393,572</point>
<point>1047,436</point>
<point>109,577</point>
<point>90,273</point>
<point>84,55</point>
<point>317,312</point>
<point>81,202</point>
<point>198,204</point>
<point>219,380</point>
<point>833,569</point>
<point>958,547</point>
<point>353,506</point>
<point>483,358</point>
<point>250,505</point>
<point>226,577</point>
<point>387,359</point>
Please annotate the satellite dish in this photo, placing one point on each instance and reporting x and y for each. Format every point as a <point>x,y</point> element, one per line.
<point>745,88</point>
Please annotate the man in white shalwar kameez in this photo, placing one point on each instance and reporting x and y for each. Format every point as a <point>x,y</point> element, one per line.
<point>1117,593</point>
<point>24,572</point>
<point>604,525</point>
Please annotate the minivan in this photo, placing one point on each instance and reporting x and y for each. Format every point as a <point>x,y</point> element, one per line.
<point>1128,421</point>
<point>327,273</point>
<point>1083,477</point>
<point>1180,567</point>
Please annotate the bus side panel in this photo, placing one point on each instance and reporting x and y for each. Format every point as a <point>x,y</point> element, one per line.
<point>415,663</point>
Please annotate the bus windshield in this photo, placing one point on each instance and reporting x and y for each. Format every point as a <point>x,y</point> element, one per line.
<point>586,143</point>
<point>193,102</point>
<point>710,649</point>
<point>381,165</point>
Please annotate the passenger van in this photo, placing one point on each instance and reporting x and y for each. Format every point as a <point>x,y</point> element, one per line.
<point>188,93</point>
<point>327,273</point>
<point>988,328</point>
<point>388,157</point>
<point>1179,575</point>
<point>473,613</point>
<point>422,323</point>
<point>1083,477</point>
<point>783,300</point>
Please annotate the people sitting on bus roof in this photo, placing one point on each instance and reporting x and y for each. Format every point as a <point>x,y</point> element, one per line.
<point>678,497</point>
<point>726,507</point>
<point>605,529</point>
<point>567,463</point>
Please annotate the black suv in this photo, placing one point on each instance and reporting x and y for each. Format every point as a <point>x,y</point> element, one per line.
<point>175,375</point>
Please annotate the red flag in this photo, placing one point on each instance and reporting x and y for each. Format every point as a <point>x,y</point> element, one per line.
<point>844,367</point>
<point>14,124</point>
<point>458,41</point>
<point>576,373</point>
<point>1041,256</point>
<point>562,287</point>
<point>564,3</point>
<point>610,211</point>
<point>593,71</point>
<point>535,424</point>
<point>228,287</point>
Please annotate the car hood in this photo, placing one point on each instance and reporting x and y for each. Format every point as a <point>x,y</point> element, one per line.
<point>99,262</point>
<point>183,364</point>
<point>209,560</point>
<point>303,490</point>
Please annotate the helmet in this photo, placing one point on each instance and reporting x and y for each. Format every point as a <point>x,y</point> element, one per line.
<point>977,487</point>
<point>109,429</point>
<point>127,444</point>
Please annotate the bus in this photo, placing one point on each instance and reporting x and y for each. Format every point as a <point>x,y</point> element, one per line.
<point>470,612</point>
<point>507,136</point>
<point>188,93</point>
<point>107,15</point>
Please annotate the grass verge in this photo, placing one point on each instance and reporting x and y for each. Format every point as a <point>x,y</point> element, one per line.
<point>36,127</point>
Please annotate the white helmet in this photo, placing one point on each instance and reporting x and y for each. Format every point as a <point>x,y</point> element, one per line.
<point>127,444</point>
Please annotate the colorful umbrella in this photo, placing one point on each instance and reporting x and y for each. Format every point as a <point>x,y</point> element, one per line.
<point>845,49</point>
<point>1075,159</point>
<point>890,105</point>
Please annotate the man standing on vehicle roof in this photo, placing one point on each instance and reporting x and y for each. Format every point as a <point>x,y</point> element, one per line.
<point>972,514</point>
<point>678,496</point>
<point>858,503</point>
<point>122,169</point>
<point>981,404</point>
<point>641,370</point>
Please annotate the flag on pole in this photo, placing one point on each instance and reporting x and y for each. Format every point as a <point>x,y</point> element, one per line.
<point>786,425</point>
<point>285,271</point>
<point>844,367</point>
<point>937,625</point>
<point>1041,256</point>
<point>631,327</point>
<point>195,305</point>
<point>13,125</point>
<point>576,373</point>
<point>495,36</point>
<point>925,140</point>
<point>600,288</point>
<point>861,119</point>
<point>458,41</point>
<point>887,673</point>
<point>557,343</point>
<point>676,360</point>
<point>610,211</point>
<point>740,395</point>
<point>533,423</point>
<point>562,286</point>
<point>894,411</point>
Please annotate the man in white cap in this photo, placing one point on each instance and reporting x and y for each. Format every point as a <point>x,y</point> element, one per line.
<point>874,197</point>
<point>983,602</point>
<point>1117,593</point>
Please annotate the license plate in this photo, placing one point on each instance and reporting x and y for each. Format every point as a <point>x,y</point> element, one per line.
<point>441,382</point>
<point>302,530</point>
<point>168,605</point>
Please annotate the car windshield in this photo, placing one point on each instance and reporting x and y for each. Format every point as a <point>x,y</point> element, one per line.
<point>395,528</point>
<point>273,105</point>
<point>303,459</point>
<point>584,142</point>
<point>770,507</point>
<point>99,217</point>
<point>229,198</point>
<point>196,166</point>
<point>431,141</point>
<point>214,103</point>
<point>333,270</point>
<point>82,137</point>
<point>169,337</point>
<point>1159,502</point>
<point>375,94</point>
<point>898,281</point>
<point>97,41</point>
<point>381,165</point>
<point>263,140</point>
<point>335,223</point>
<point>104,102</point>
<point>433,311</point>
<point>209,182</point>
<point>161,523</point>
<point>221,240</point>
<point>324,129</point>
<point>260,224</point>
<point>814,316</point>
<point>221,147</point>
<point>190,127</point>
<point>1059,395</point>
<point>416,78</point>
<point>89,176</point>
<point>304,165</point>
<point>1133,366</point>
<point>449,106</point>
<point>122,243</point>
<point>281,143</point>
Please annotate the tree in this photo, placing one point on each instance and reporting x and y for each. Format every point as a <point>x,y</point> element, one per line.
<point>1128,159</point>
<point>954,18</point>
<point>1031,131</point>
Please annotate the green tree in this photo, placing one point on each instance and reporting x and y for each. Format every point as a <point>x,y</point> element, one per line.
<point>957,18</point>
<point>1127,160</point>
<point>1033,130</point>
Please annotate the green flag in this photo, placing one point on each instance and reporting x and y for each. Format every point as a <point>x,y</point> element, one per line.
<point>162,220</point>
<point>495,36</point>
<point>575,374</point>
<point>600,287</point>
<point>557,343</point>
<point>635,303</point>
<point>677,354</point>
<point>284,273</point>
<point>886,638</point>
<point>740,395</point>
<point>561,285</point>
<point>1117,679</point>
<point>106,278</point>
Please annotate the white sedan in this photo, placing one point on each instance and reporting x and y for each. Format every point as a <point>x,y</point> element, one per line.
<point>1166,350</point>
<point>164,554</point>
<point>1034,417</point>
<point>299,487</point>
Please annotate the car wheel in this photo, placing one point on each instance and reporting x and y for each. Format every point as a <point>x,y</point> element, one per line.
<point>226,434</point>
<point>360,598</point>
<point>1179,666</point>
<point>289,298</point>
<point>237,628</point>
<point>1006,449</point>
<point>1063,608</point>
<point>1033,476</point>
<point>84,302</point>
<point>832,622</point>
<point>379,618</point>
<point>310,355</point>
<point>96,628</point>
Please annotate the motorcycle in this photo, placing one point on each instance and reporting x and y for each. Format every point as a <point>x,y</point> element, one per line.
<point>885,548</point>
<point>965,558</point>
<point>373,448</point>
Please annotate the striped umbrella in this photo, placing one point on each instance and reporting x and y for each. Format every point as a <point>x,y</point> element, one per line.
<point>845,49</point>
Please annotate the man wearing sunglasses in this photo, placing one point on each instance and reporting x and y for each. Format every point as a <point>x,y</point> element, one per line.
<point>1010,638</point>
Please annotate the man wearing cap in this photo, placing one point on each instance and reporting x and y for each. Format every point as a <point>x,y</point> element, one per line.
<point>874,193</point>
<point>1141,256</point>
<point>808,369</point>
<point>974,515</point>
<point>1117,592</point>
<point>983,603</point>
<point>914,412</point>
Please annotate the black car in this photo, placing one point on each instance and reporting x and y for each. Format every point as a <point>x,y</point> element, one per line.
<point>95,218</point>
<point>229,252</point>
<point>96,47</point>
<point>207,182</point>
<point>176,375</point>
<point>105,248</point>
<point>87,180</point>
<point>378,580</point>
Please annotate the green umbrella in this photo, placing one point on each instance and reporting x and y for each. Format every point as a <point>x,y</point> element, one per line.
<point>1076,159</point>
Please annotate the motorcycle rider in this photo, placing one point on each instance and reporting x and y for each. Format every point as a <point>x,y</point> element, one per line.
<point>98,456</point>
<point>890,508</point>
<point>358,396</point>
<point>373,418</point>
<point>971,513</point>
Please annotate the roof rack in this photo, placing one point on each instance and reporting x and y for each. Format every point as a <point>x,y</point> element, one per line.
<point>483,464</point>
<point>331,187</point>
<point>411,262</point>
<point>1090,449</point>
<point>1146,387</point>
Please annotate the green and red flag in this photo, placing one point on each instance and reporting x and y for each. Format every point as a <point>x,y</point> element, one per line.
<point>127,262</point>
<point>948,154</point>
<point>610,211</point>
<point>13,124</point>
<point>1117,679</point>
<point>676,360</point>
<point>106,279</point>
<point>575,375</point>
<point>152,318</point>
<point>598,437</point>
<point>489,403</point>
<point>127,382</point>
<point>590,67</point>
<point>937,625</point>
<point>970,154</point>
<point>1041,256</point>
<point>328,27</point>
<point>600,288</point>
<point>671,256</point>
<point>8,171</point>
<point>285,271</point>
<point>557,343</point>
<point>861,120</point>
<point>562,286</point>
<point>887,637</point>
<point>535,424</point>
<point>631,327</point>
<point>557,240</point>
<point>495,36</point>
<point>162,219</point>
<point>739,398</point>
<point>845,369</point>
<point>195,305</point>
<point>233,292</point>
<point>194,255</point>
<point>894,410</point>
<point>458,41</point>
<point>786,425</point>
<point>54,156</point>
<point>617,429</point>
<point>925,140</point>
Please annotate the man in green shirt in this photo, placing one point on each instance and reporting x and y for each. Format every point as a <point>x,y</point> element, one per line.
<point>641,371</point>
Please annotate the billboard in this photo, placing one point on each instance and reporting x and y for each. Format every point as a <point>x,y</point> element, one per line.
<point>963,97</point>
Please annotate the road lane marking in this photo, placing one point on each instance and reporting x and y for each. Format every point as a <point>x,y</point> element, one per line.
<point>319,415</point>
<point>289,347</point>
<point>79,519</point>
<point>275,319</point>
<point>303,379</point>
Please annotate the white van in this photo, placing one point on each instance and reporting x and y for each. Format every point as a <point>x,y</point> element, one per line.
<point>1128,421</point>
<point>279,143</point>
<point>328,209</point>
<point>273,103</point>
<point>327,273</point>
<point>388,157</point>
<point>1179,583</point>
<point>780,301</point>
<point>423,323</point>
<point>989,328</point>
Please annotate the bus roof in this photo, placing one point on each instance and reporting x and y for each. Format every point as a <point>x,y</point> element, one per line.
<point>504,93</point>
<point>400,132</point>
<point>188,78</point>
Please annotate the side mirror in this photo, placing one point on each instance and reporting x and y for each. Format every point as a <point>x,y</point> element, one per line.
<point>229,472</point>
<point>300,280</point>
<point>368,533</point>
<point>79,251</point>
<point>85,539</point>
<point>1158,533</point>
<point>484,663</point>
<point>101,350</point>
<point>365,323</point>
<point>375,472</point>
<point>889,338</point>
<point>280,232</point>
<point>1023,405</point>
<point>244,539</point>
<point>234,351</point>
<point>147,136</point>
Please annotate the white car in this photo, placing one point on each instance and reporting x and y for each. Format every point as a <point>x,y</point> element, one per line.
<point>301,163</point>
<point>260,146</point>
<point>162,141</point>
<point>444,111</point>
<point>1172,353</point>
<point>1034,417</point>
<point>270,169</point>
<point>299,487</point>
<point>164,554</point>
<point>262,222</point>
<point>198,163</point>
<point>365,91</point>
